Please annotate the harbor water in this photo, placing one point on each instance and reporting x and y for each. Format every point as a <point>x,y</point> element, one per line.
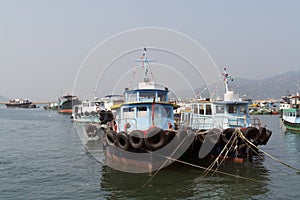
<point>42,157</point>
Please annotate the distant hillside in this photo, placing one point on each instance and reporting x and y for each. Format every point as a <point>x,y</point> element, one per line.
<point>274,87</point>
<point>270,88</point>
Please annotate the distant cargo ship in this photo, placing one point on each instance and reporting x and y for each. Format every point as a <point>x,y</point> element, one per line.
<point>20,103</point>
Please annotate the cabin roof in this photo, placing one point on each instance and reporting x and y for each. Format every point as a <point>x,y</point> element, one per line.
<point>145,90</point>
<point>231,102</point>
<point>116,106</point>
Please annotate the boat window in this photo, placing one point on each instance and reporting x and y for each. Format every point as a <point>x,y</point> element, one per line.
<point>298,113</point>
<point>131,97</point>
<point>208,109</point>
<point>128,112</point>
<point>231,109</point>
<point>243,109</point>
<point>157,115</point>
<point>85,104</point>
<point>201,110</point>
<point>142,111</point>
<point>219,109</point>
<point>162,97</point>
<point>195,108</point>
<point>147,96</point>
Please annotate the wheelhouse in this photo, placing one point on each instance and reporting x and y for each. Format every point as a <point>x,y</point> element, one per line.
<point>144,108</point>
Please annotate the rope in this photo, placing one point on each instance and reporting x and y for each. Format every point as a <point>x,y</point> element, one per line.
<point>233,137</point>
<point>256,152</point>
<point>277,160</point>
<point>200,167</point>
<point>218,157</point>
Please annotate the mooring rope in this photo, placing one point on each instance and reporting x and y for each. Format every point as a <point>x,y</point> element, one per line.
<point>233,137</point>
<point>277,160</point>
<point>218,157</point>
<point>201,167</point>
<point>258,154</point>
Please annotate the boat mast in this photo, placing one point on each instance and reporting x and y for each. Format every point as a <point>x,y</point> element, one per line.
<point>145,65</point>
<point>145,62</point>
<point>226,78</point>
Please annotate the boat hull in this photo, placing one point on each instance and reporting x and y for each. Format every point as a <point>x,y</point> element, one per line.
<point>65,111</point>
<point>291,126</point>
<point>21,106</point>
<point>189,146</point>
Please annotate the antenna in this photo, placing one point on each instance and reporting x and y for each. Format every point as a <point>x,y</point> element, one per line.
<point>145,64</point>
<point>226,78</point>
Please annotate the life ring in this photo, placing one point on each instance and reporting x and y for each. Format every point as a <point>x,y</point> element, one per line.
<point>122,140</point>
<point>111,137</point>
<point>252,134</point>
<point>226,135</point>
<point>155,138</point>
<point>136,139</point>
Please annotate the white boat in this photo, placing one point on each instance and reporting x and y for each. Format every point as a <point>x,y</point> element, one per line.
<point>227,115</point>
<point>87,111</point>
<point>232,112</point>
<point>90,118</point>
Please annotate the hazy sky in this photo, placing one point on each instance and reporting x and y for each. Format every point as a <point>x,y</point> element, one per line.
<point>43,43</point>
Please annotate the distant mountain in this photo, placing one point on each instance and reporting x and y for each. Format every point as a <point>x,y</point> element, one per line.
<point>274,87</point>
<point>269,88</point>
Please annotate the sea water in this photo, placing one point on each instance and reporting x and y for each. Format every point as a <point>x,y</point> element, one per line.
<point>42,157</point>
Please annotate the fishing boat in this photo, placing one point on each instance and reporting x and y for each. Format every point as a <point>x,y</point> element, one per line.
<point>291,115</point>
<point>227,117</point>
<point>66,102</point>
<point>143,124</point>
<point>20,103</point>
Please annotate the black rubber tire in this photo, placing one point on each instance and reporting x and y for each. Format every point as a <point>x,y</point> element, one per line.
<point>252,134</point>
<point>155,138</point>
<point>226,134</point>
<point>136,139</point>
<point>111,137</point>
<point>122,140</point>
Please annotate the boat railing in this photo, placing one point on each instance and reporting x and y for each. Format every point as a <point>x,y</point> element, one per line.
<point>238,121</point>
<point>209,121</point>
<point>197,122</point>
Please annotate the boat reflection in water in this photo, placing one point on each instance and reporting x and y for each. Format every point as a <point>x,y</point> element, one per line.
<point>179,181</point>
